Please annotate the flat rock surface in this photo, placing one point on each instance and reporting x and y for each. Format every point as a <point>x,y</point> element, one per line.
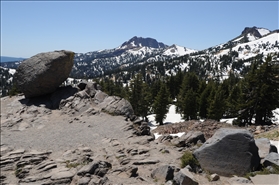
<point>271,179</point>
<point>59,132</point>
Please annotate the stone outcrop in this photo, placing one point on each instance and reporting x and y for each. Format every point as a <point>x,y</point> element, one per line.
<point>116,106</point>
<point>271,159</point>
<point>265,147</point>
<point>91,97</point>
<point>188,139</point>
<point>184,177</point>
<point>99,168</point>
<point>43,73</point>
<point>229,152</point>
<point>163,173</point>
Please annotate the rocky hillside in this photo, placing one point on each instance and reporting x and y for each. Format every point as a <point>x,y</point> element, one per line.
<point>80,135</point>
<point>138,51</point>
<point>71,137</point>
<point>132,52</point>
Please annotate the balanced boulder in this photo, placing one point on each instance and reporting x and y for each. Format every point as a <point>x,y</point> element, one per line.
<point>43,73</point>
<point>229,152</point>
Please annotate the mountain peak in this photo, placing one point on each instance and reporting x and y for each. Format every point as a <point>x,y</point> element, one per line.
<point>141,42</point>
<point>255,31</point>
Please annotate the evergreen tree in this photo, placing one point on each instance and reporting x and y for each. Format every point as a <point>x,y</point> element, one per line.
<point>126,92</point>
<point>145,101</point>
<point>233,101</point>
<point>190,105</point>
<point>190,82</point>
<point>217,105</point>
<point>260,92</point>
<point>155,87</point>
<point>13,91</point>
<point>135,95</point>
<point>172,86</point>
<point>140,96</point>
<point>178,78</point>
<point>161,104</point>
<point>204,100</point>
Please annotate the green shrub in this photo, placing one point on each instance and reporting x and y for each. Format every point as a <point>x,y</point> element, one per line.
<point>13,91</point>
<point>188,159</point>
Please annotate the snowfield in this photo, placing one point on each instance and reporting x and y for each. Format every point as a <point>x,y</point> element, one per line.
<point>178,51</point>
<point>173,117</point>
<point>262,45</point>
<point>263,31</point>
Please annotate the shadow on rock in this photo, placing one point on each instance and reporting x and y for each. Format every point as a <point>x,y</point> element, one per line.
<point>52,100</point>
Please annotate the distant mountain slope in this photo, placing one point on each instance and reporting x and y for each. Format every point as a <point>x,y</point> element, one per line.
<point>267,44</point>
<point>10,59</point>
<point>156,57</point>
<point>135,51</point>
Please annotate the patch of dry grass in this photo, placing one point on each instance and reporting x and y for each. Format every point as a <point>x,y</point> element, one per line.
<point>271,135</point>
<point>208,127</point>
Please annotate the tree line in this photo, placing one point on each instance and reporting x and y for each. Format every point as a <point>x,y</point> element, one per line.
<point>248,98</point>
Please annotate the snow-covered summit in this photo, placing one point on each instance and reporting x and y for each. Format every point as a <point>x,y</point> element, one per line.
<point>255,31</point>
<point>264,45</point>
<point>142,42</point>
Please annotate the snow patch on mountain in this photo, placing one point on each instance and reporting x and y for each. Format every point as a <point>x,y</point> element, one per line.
<point>238,39</point>
<point>177,51</point>
<point>251,37</point>
<point>263,31</point>
<point>11,71</point>
<point>265,45</point>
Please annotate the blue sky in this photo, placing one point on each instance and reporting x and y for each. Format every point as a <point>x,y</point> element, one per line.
<point>31,27</point>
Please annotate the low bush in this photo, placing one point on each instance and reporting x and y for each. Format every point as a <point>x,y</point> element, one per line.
<point>188,159</point>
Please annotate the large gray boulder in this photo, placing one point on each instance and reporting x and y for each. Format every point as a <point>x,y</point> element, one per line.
<point>43,73</point>
<point>229,152</point>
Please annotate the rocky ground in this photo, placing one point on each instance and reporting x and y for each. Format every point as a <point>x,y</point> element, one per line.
<point>86,145</point>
